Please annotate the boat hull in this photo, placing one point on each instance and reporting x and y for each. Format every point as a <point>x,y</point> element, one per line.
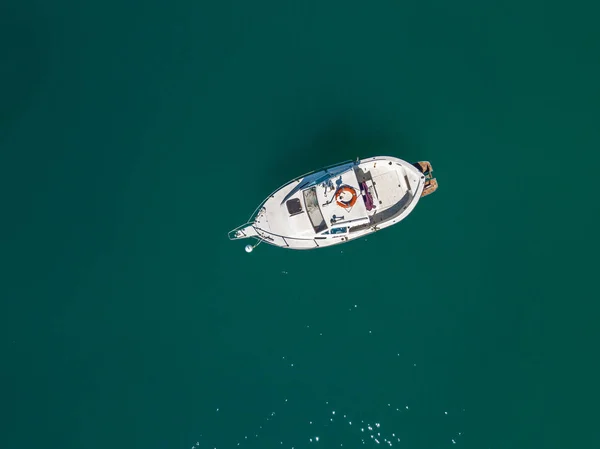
<point>339,203</point>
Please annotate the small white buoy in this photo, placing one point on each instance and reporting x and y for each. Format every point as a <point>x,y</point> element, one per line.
<point>249,248</point>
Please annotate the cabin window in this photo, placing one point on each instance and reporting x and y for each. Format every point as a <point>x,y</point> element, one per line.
<point>314,212</point>
<point>334,231</point>
<point>294,206</point>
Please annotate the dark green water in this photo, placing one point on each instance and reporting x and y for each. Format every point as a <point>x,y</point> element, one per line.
<point>133,136</point>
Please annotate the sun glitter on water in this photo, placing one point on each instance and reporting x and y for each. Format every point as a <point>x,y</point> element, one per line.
<point>340,426</point>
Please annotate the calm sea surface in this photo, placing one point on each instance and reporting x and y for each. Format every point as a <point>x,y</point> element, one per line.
<point>135,135</point>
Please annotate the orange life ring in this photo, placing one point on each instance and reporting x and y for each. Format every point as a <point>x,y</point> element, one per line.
<point>345,204</point>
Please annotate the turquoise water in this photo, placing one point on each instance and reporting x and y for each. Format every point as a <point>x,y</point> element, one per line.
<point>134,136</point>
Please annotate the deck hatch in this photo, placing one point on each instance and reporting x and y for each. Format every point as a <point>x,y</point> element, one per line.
<point>294,206</point>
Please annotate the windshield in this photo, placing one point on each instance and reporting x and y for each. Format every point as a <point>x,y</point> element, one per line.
<point>314,212</point>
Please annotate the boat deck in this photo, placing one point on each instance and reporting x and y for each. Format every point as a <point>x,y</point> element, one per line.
<point>372,194</point>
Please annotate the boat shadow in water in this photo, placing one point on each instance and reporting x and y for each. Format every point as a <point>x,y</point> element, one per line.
<point>23,65</point>
<point>336,142</point>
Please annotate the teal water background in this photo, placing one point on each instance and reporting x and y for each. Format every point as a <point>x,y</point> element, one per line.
<point>134,135</point>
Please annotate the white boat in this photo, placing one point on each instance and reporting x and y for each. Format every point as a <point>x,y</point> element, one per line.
<point>339,203</point>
